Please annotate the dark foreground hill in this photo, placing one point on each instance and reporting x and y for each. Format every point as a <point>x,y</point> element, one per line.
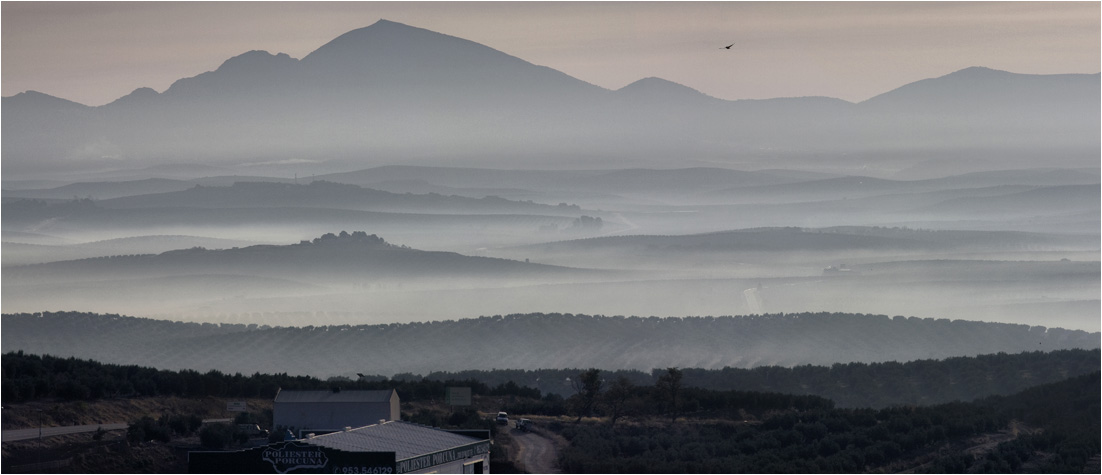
<point>1052,428</point>
<point>30,377</point>
<point>875,385</point>
<point>529,341</point>
<point>1037,428</point>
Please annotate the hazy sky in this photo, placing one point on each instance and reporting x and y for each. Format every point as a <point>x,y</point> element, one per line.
<point>95,52</point>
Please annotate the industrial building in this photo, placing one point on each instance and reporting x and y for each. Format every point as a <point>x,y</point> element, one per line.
<point>319,412</point>
<point>386,447</point>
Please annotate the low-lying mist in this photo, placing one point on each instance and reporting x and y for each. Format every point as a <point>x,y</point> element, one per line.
<point>702,242</point>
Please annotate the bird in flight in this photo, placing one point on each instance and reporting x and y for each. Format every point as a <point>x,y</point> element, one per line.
<point>728,46</point>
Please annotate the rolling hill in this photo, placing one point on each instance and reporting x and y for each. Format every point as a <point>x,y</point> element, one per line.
<point>329,258</point>
<point>855,239</point>
<point>529,341</point>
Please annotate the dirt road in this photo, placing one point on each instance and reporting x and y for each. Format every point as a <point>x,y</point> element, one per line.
<point>535,452</point>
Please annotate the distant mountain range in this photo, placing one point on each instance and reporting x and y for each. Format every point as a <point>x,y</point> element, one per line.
<point>392,93</point>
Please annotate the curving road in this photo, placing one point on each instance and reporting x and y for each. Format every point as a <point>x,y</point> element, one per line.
<point>536,453</point>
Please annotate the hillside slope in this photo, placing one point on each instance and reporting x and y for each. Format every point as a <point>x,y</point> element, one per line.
<point>524,342</point>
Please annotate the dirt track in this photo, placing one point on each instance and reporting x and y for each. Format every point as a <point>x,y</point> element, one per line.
<point>535,452</point>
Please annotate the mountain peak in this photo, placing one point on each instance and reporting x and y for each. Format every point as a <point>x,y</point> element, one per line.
<point>978,70</point>
<point>658,87</point>
<point>39,98</point>
<point>978,73</point>
<point>977,90</point>
<point>255,59</point>
<point>653,82</point>
<point>246,71</point>
<point>384,23</point>
<point>383,37</point>
<point>408,57</point>
<point>140,94</point>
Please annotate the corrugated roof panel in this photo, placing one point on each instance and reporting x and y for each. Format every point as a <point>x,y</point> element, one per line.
<point>405,439</point>
<point>334,396</point>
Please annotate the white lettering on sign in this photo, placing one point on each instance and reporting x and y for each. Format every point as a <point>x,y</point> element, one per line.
<point>291,456</point>
<point>439,458</point>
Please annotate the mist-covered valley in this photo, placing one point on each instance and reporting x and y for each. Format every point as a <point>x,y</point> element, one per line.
<point>397,175</point>
<point>721,270</point>
<point>645,242</point>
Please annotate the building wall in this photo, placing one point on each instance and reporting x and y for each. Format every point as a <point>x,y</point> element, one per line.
<point>330,416</point>
<point>458,466</point>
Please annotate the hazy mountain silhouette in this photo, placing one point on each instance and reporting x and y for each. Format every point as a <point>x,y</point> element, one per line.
<point>660,92</point>
<point>103,190</point>
<point>329,258</point>
<point>706,183</point>
<point>17,252</point>
<point>981,107</point>
<point>629,181</point>
<point>324,194</point>
<point>978,90</point>
<point>405,59</point>
<point>861,186</point>
<point>389,92</point>
<point>1046,201</point>
<point>842,238</point>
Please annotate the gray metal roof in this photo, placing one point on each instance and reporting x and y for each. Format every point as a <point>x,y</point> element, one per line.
<point>405,439</point>
<point>332,396</point>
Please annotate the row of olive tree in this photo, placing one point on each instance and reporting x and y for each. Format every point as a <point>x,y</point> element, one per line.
<point>595,396</point>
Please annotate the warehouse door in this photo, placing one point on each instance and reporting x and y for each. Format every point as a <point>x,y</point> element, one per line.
<point>473,467</point>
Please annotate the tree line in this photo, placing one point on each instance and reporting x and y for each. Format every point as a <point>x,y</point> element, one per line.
<point>528,342</point>
<point>877,385</point>
<point>29,377</point>
<point>612,397</point>
<point>1058,428</point>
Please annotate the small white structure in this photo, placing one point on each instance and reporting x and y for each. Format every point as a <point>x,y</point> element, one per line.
<point>329,411</point>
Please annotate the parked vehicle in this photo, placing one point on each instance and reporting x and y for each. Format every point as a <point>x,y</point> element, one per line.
<point>524,424</point>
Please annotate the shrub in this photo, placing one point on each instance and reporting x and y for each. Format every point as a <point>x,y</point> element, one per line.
<point>146,429</point>
<point>216,436</point>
